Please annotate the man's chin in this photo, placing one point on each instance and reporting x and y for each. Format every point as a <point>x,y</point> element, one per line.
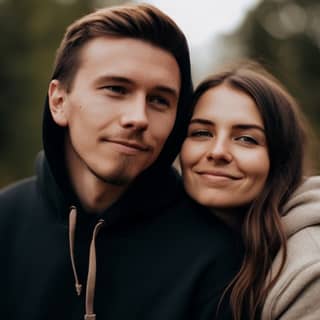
<point>121,174</point>
<point>117,180</point>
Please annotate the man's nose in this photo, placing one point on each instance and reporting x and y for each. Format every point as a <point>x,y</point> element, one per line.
<point>219,150</point>
<point>134,116</point>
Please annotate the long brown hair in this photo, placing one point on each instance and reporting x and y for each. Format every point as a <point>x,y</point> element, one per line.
<point>262,232</point>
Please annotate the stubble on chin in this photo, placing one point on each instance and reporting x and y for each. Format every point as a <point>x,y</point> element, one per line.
<point>120,177</point>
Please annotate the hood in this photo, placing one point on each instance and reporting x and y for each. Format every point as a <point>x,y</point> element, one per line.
<point>150,186</point>
<point>141,199</point>
<point>303,208</point>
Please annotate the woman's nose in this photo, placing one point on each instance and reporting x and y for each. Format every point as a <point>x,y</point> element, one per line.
<point>219,150</point>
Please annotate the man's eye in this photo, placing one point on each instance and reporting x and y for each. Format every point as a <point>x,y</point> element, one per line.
<point>247,140</point>
<point>200,133</point>
<point>116,89</point>
<point>159,101</point>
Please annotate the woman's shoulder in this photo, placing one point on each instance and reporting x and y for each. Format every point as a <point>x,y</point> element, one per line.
<point>296,292</point>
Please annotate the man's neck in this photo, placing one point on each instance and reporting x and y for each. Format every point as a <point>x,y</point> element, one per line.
<point>94,194</point>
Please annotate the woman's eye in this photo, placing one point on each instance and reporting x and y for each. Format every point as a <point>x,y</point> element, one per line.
<point>247,140</point>
<point>116,89</point>
<point>200,133</point>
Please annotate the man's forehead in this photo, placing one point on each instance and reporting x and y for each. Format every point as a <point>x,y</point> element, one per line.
<point>130,59</point>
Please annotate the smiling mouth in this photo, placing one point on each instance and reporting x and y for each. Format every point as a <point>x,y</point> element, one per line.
<point>218,175</point>
<point>126,145</point>
<point>216,179</point>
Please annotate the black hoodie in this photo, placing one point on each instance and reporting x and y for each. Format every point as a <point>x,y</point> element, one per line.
<point>159,256</point>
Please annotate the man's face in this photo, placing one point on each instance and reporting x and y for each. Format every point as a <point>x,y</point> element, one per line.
<point>120,110</point>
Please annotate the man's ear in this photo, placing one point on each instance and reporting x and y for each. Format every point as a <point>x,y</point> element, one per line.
<point>57,102</point>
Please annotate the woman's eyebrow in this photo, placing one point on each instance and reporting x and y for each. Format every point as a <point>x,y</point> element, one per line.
<point>247,126</point>
<point>242,126</point>
<point>201,121</point>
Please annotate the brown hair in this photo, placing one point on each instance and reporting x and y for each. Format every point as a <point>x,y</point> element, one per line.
<point>140,21</point>
<point>262,232</point>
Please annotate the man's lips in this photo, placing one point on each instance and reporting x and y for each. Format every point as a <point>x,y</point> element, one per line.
<point>129,144</point>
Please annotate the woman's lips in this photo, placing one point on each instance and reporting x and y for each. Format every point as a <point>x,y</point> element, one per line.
<point>219,174</point>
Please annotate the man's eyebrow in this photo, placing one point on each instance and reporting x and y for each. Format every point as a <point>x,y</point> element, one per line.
<point>113,78</point>
<point>165,89</point>
<point>168,90</point>
<point>242,126</point>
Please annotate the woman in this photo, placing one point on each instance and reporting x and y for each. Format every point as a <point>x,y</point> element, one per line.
<point>244,159</point>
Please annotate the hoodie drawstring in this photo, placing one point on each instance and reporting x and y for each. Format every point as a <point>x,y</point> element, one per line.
<point>72,229</point>
<point>91,277</point>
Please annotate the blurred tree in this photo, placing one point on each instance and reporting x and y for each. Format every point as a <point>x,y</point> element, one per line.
<point>31,32</point>
<point>284,35</point>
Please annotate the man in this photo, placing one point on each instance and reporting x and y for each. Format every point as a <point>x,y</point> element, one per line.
<point>105,228</point>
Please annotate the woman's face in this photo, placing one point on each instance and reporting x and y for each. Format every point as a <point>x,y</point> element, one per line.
<point>224,158</point>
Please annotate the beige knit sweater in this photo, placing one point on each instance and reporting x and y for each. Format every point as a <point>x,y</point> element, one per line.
<point>296,294</point>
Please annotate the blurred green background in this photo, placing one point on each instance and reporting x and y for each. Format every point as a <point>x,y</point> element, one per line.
<point>282,34</point>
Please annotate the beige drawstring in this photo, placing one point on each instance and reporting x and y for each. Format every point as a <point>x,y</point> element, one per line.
<point>72,228</point>
<point>91,277</point>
